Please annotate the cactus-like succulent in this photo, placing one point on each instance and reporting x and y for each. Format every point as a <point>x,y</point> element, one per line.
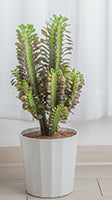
<point>46,84</point>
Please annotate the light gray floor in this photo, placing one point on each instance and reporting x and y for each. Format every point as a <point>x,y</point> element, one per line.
<point>93,182</point>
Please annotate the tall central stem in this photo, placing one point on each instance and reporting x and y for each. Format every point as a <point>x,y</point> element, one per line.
<point>43,124</point>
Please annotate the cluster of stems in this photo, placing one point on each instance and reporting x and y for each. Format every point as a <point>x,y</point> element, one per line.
<point>47,86</point>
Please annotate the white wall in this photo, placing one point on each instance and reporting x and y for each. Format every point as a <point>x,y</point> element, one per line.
<point>95,132</point>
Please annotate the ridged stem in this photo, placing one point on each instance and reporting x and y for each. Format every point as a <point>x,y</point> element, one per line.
<point>43,125</point>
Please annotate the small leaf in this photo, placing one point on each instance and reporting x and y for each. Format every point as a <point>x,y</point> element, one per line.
<point>44,32</point>
<point>64,19</point>
<point>22,27</point>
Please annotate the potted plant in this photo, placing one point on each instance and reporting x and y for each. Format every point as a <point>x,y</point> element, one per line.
<point>49,89</point>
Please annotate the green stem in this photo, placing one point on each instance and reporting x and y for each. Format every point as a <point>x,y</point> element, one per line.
<point>56,119</point>
<point>43,125</point>
<point>59,46</point>
<point>29,58</point>
<point>53,89</point>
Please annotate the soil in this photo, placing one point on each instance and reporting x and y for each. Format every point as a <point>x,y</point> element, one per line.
<point>59,134</point>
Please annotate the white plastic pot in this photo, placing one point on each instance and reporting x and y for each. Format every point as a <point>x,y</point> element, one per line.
<point>49,164</point>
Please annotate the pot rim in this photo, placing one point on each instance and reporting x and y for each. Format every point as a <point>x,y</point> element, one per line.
<point>30,130</point>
